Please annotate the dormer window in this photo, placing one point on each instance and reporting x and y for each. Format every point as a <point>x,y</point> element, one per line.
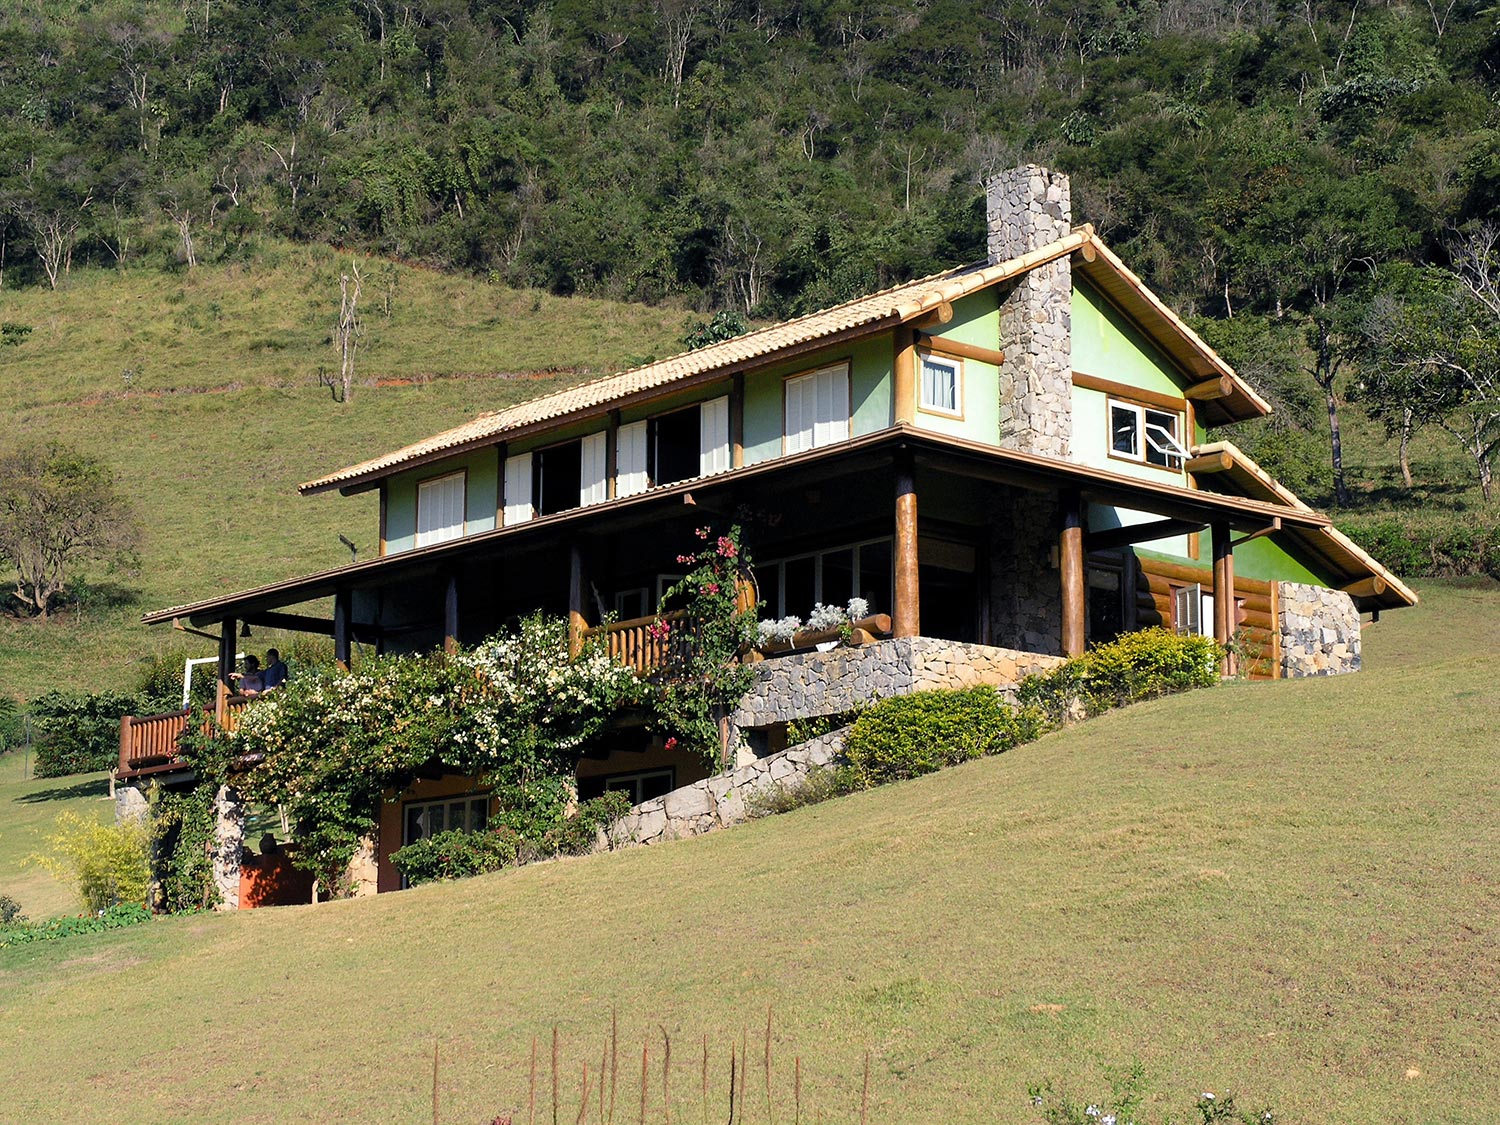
<point>1142,433</point>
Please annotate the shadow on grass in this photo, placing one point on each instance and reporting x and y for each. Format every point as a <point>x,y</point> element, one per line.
<point>99,787</point>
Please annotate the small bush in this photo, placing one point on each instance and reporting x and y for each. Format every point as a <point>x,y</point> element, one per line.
<point>813,788</point>
<point>106,862</point>
<point>457,855</point>
<point>910,735</point>
<point>799,731</point>
<point>1133,667</point>
<point>579,834</point>
<point>22,932</point>
<point>10,911</point>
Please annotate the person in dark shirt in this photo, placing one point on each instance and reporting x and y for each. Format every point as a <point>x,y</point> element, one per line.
<point>275,673</point>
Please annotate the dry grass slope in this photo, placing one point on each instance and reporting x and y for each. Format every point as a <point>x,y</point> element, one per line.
<point>1287,889</point>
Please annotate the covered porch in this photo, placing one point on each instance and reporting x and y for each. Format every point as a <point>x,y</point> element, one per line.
<point>938,536</point>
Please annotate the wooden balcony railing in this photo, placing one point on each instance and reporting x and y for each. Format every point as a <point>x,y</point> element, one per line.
<point>640,644</point>
<point>153,742</point>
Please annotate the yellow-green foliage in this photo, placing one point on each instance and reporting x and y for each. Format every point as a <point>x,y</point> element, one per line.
<point>1132,667</point>
<point>106,862</point>
<point>909,735</point>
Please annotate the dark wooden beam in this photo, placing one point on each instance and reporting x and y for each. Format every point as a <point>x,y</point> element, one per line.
<point>292,622</point>
<point>1270,529</point>
<point>1109,539</point>
<point>450,614</point>
<point>342,606</point>
<point>576,620</point>
<point>1224,605</point>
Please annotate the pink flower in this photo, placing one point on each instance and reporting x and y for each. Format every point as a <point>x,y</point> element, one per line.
<point>727,549</point>
<point>659,629</point>
<point>684,558</point>
<point>711,588</point>
<point>669,744</point>
<point>702,532</point>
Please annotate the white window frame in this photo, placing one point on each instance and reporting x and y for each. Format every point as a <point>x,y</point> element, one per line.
<point>956,368</point>
<point>777,602</point>
<point>1193,611</point>
<point>448,531</point>
<point>517,482</point>
<point>468,800</point>
<point>1148,433</point>
<point>825,427</point>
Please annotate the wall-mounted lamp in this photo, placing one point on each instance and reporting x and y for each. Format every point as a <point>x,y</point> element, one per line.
<point>245,629</point>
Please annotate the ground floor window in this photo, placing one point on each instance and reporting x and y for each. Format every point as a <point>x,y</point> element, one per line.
<point>451,814</point>
<point>794,585</point>
<point>642,785</point>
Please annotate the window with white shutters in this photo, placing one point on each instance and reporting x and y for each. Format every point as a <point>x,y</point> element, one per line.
<point>630,459</point>
<point>593,469</point>
<point>817,409</point>
<point>518,489</point>
<point>713,444</point>
<point>440,509</point>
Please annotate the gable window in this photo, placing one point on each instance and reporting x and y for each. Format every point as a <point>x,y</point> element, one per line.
<point>440,509</point>
<point>817,409</point>
<point>1142,433</point>
<point>942,385</point>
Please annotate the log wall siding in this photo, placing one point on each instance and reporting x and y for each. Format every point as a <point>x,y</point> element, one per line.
<point>1257,630</point>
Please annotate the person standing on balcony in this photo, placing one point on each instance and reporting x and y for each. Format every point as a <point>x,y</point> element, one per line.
<point>275,673</point>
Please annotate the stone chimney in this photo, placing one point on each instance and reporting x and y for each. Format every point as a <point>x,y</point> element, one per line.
<point>1028,208</point>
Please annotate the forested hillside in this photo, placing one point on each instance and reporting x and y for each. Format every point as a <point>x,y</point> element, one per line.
<point>773,154</point>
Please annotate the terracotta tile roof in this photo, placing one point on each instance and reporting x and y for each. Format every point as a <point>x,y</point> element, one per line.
<point>888,307</point>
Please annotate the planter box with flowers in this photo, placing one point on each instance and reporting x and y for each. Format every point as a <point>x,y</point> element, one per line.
<point>827,627</point>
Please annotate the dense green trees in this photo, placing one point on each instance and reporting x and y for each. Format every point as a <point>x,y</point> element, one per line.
<point>1249,157</point>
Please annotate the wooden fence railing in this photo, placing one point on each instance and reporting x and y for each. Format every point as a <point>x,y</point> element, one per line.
<point>640,643</point>
<point>150,741</point>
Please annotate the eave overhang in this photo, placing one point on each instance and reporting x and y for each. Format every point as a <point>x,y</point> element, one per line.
<point>939,452</point>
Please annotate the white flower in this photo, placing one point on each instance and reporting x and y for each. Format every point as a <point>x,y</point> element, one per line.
<point>1107,1119</point>
<point>857,608</point>
<point>1207,1096</point>
<point>1092,1111</point>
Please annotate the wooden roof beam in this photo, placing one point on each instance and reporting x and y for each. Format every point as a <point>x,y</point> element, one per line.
<point>1110,538</point>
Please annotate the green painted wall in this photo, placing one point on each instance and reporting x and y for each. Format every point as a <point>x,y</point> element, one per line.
<point>1108,346</point>
<point>479,497</point>
<point>976,320</point>
<point>869,389</point>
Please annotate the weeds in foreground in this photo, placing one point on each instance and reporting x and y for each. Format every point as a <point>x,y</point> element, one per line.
<point>1125,1105</point>
<point>723,1092</point>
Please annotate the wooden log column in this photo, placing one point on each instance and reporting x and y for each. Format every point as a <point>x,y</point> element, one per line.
<point>1071,574</point>
<point>450,614</point>
<point>576,622</point>
<point>906,619</point>
<point>1224,603</point>
<point>904,374</point>
<point>343,603</point>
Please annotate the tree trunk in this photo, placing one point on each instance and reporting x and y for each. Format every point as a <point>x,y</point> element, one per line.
<point>1484,476</point>
<point>1340,489</point>
<point>1406,428</point>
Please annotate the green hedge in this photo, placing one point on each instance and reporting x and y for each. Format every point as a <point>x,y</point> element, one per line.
<point>1133,667</point>
<point>457,855</point>
<point>79,731</point>
<point>1417,547</point>
<point>910,735</point>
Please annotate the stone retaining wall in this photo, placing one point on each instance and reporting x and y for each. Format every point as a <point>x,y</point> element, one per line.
<point>718,802</point>
<point>805,685</point>
<point>1319,631</point>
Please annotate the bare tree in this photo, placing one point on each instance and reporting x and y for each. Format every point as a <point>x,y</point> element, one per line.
<point>677,17</point>
<point>54,234</point>
<point>346,332</point>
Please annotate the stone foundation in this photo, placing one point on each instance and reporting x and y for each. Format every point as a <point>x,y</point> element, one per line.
<point>718,802</point>
<point>806,685</point>
<point>229,846</point>
<point>1319,631</point>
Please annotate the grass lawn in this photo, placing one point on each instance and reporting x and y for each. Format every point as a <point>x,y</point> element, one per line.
<point>1284,889</point>
<point>28,812</point>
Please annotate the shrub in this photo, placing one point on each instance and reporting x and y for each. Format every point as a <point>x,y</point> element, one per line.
<point>812,788</point>
<point>578,834</point>
<point>10,911</point>
<point>79,731</point>
<point>1134,666</point>
<point>22,932</point>
<point>457,855</point>
<point>910,735</point>
<point>107,862</point>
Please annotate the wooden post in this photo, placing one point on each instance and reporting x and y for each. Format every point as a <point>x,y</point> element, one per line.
<point>450,615</point>
<point>1129,578</point>
<point>576,620</point>
<point>342,605</point>
<point>904,375</point>
<point>737,423</point>
<point>1071,566</point>
<point>226,666</point>
<point>612,454</point>
<point>907,613</point>
<point>1224,604</point>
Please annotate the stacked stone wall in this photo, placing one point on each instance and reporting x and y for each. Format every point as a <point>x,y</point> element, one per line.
<point>1319,631</point>
<point>1025,585</point>
<point>806,685</point>
<point>1027,208</point>
<point>718,802</point>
